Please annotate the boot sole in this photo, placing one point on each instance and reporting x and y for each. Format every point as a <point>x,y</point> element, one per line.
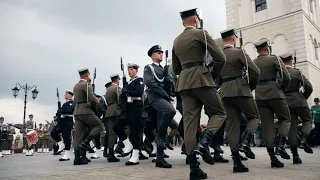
<point>205,157</point>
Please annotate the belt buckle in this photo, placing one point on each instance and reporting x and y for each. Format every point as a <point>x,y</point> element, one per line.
<point>129,99</point>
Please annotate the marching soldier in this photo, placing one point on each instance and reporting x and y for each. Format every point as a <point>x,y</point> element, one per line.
<point>236,94</point>
<point>113,114</point>
<point>297,94</point>
<point>25,142</point>
<point>2,135</point>
<point>31,125</point>
<point>64,126</point>
<point>40,141</point>
<point>159,100</point>
<point>45,138</point>
<point>196,86</point>
<point>84,116</point>
<point>11,132</point>
<point>105,121</point>
<point>269,96</point>
<point>133,92</point>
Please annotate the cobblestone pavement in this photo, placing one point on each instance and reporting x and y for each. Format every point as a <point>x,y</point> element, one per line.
<point>47,166</point>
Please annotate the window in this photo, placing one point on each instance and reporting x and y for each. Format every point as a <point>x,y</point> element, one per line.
<point>261,5</point>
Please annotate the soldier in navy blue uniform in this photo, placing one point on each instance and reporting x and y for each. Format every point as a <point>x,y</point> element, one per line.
<point>64,126</point>
<point>133,93</point>
<point>159,99</point>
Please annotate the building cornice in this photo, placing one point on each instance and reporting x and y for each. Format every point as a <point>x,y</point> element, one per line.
<point>311,21</point>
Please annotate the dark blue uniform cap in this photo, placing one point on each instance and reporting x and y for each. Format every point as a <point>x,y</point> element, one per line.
<point>227,33</point>
<point>2,118</point>
<point>31,115</point>
<point>69,92</point>
<point>155,48</point>
<point>83,71</point>
<point>188,13</point>
<point>261,44</point>
<point>316,99</point>
<point>114,77</point>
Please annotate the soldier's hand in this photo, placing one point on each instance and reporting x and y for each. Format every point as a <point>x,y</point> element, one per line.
<point>124,90</point>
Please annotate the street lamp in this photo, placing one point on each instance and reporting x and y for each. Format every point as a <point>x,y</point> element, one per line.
<point>26,88</point>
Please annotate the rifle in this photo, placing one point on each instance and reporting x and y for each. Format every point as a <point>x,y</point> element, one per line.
<point>269,44</point>
<point>123,96</point>
<point>124,79</point>
<point>294,59</point>
<point>168,84</point>
<point>240,39</point>
<point>59,103</point>
<point>94,77</point>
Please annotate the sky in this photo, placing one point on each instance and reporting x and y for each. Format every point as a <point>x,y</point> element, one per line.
<point>44,43</point>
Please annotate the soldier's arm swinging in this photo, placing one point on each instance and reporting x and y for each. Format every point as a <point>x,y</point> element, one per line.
<point>151,83</point>
<point>216,53</point>
<point>286,75</point>
<point>254,71</point>
<point>176,66</point>
<point>308,89</point>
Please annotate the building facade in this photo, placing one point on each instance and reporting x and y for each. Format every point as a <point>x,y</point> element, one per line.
<point>290,25</point>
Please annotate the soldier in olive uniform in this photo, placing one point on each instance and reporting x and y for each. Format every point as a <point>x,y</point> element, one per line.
<point>1,138</point>
<point>196,86</point>
<point>10,139</point>
<point>31,125</point>
<point>159,100</point>
<point>297,94</point>
<point>84,116</point>
<point>270,98</point>
<point>236,94</point>
<point>105,122</point>
<point>45,138</point>
<point>113,114</point>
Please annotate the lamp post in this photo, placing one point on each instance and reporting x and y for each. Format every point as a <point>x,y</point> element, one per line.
<point>26,88</point>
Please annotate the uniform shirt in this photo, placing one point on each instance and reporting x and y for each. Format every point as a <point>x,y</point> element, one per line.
<point>67,108</point>
<point>83,92</point>
<point>316,116</point>
<point>113,99</point>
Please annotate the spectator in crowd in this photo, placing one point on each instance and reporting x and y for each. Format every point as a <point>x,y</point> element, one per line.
<point>315,110</point>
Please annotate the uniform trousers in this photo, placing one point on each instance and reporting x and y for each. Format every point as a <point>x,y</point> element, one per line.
<point>64,127</point>
<point>1,144</point>
<point>317,136</point>
<point>267,109</point>
<point>112,138</point>
<point>106,136</point>
<point>192,102</point>
<point>305,116</point>
<point>134,111</point>
<point>81,123</point>
<point>217,139</point>
<point>234,106</point>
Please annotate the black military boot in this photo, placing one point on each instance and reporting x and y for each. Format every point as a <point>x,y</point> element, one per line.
<point>187,160</point>
<point>105,152</point>
<point>280,147</point>
<point>247,139</point>
<point>168,141</point>
<point>243,158</point>
<point>219,158</point>
<point>86,145</point>
<point>78,160</point>
<point>195,171</point>
<point>295,156</point>
<point>275,163</point>
<point>202,147</point>
<point>183,149</point>
<point>111,157</point>
<point>160,162</point>
<point>305,144</point>
<point>142,156</point>
<point>83,154</point>
<point>145,146</point>
<point>237,164</point>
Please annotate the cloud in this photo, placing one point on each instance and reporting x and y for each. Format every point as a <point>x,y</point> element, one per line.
<point>12,111</point>
<point>44,43</point>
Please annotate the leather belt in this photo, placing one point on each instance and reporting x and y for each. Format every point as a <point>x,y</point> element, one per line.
<point>81,102</point>
<point>136,98</point>
<point>291,91</point>
<point>192,64</point>
<point>267,80</point>
<point>228,79</point>
<point>66,115</point>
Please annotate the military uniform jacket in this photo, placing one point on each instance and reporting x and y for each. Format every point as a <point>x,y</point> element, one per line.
<point>190,46</point>
<point>67,108</point>
<point>135,88</point>
<point>155,82</point>
<point>234,84</point>
<point>267,87</point>
<point>112,97</point>
<point>80,90</point>
<point>31,125</point>
<point>295,98</point>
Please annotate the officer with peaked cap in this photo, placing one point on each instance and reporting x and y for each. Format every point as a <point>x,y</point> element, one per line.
<point>270,98</point>
<point>297,93</point>
<point>133,93</point>
<point>239,77</point>
<point>113,115</point>
<point>159,100</point>
<point>84,116</point>
<point>196,86</point>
